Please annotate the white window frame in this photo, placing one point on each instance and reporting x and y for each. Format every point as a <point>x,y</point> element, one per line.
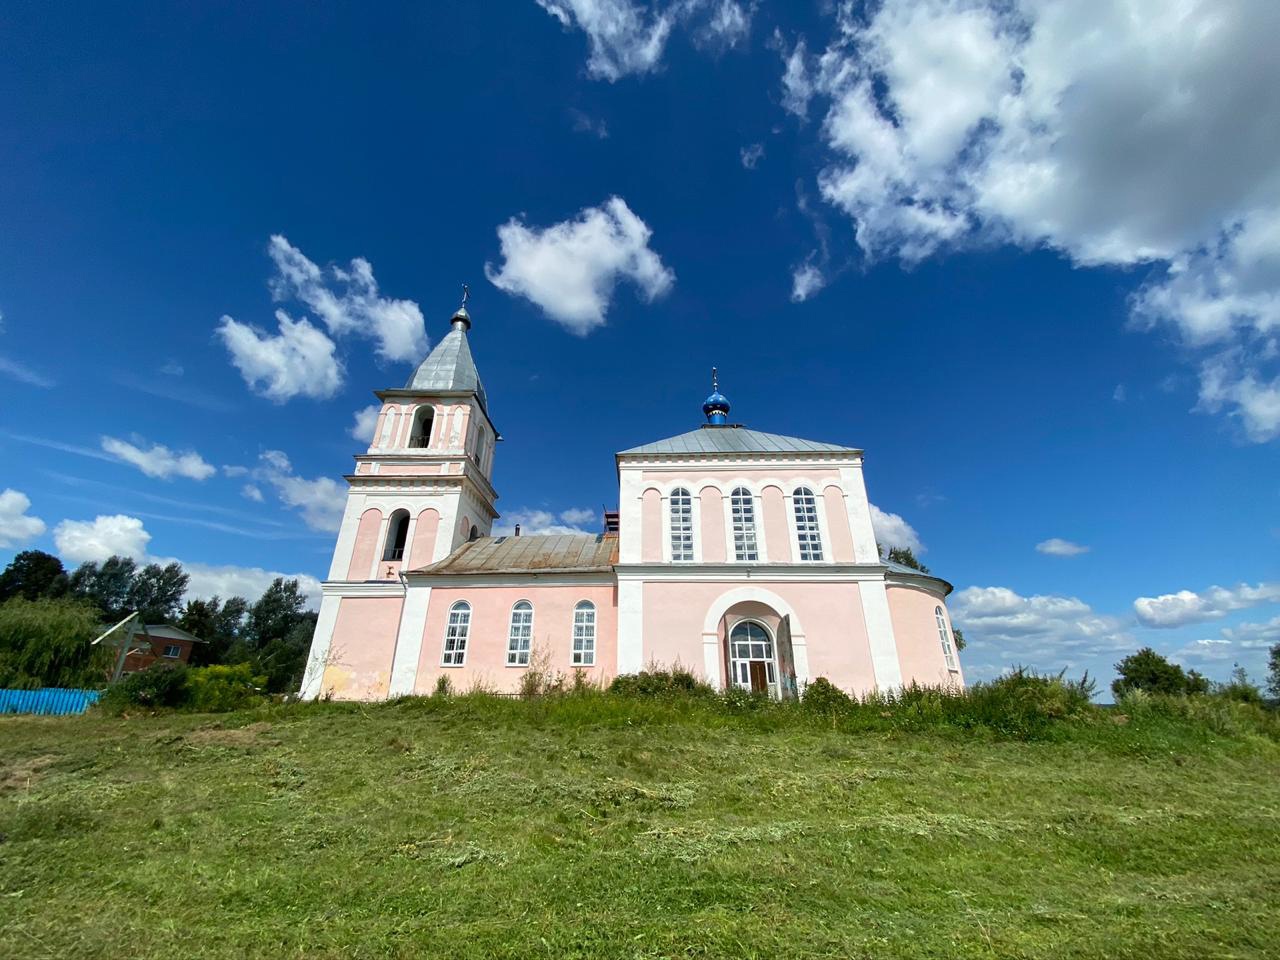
<point>176,648</point>
<point>812,525</point>
<point>584,633</point>
<point>770,662</point>
<point>518,652</point>
<point>458,632</point>
<point>945,637</point>
<point>687,520</point>
<point>734,524</point>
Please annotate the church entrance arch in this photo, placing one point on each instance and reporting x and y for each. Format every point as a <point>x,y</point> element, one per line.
<point>753,663</point>
<point>783,662</point>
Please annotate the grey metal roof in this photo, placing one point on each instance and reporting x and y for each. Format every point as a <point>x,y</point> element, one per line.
<point>895,567</point>
<point>545,554</point>
<point>734,439</point>
<point>449,367</point>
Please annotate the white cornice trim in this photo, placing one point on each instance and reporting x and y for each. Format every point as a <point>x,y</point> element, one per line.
<point>807,457</point>
<point>362,588</point>
<point>934,586</point>
<point>739,572</point>
<point>508,579</point>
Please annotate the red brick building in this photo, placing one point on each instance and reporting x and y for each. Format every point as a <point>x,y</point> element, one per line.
<point>168,645</point>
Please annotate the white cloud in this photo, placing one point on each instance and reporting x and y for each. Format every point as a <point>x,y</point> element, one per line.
<point>1187,606</point>
<point>366,418</point>
<point>578,515</point>
<point>251,491</point>
<point>728,25</point>
<point>1119,395</point>
<point>1057,547</point>
<point>1039,627</point>
<point>160,461</point>
<point>623,37</point>
<point>17,527</point>
<point>583,123</point>
<point>1204,650</point>
<point>537,523</point>
<point>320,501</point>
<point>570,269</point>
<point>357,307</point>
<point>298,361</point>
<point>208,580</point>
<point>79,541</point>
<point>1097,130</point>
<point>806,280</point>
<point>24,374</point>
<point>893,531</point>
<point>751,155</point>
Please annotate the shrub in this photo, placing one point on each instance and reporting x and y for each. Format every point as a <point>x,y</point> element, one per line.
<point>676,682</point>
<point>444,687</point>
<point>1147,670</point>
<point>824,696</point>
<point>1239,688</point>
<point>160,685</point>
<point>223,687</point>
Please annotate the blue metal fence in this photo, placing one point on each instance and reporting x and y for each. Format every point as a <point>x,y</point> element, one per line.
<point>50,700</point>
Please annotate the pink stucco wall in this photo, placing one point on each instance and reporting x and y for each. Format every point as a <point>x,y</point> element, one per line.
<point>364,639</point>
<point>838,525</point>
<point>916,632</point>
<point>486,662</point>
<point>777,532</point>
<point>366,544</point>
<point>424,538</point>
<point>711,503</point>
<point>829,615</point>
<point>651,527</point>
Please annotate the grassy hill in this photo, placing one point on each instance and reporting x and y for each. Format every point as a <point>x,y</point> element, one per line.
<point>590,826</point>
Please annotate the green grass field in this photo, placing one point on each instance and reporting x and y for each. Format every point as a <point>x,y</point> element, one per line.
<point>600,827</point>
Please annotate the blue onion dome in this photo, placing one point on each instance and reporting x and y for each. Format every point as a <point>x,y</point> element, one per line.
<point>716,408</point>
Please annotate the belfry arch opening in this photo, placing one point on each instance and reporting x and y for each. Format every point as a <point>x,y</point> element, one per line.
<point>397,535</point>
<point>423,419</point>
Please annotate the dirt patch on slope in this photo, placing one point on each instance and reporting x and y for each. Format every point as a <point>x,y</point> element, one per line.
<point>250,736</point>
<point>23,774</point>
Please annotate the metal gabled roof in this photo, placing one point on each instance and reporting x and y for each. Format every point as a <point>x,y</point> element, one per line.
<point>568,553</point>
<point>449,367</point>
<point>734,439</point>
<point>895,567</point>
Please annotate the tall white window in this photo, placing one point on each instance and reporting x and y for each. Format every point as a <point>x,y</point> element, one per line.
<point>584,634</point>
<point>456,633</point>
<point>807,535</point>
<point>944,637</point>
<point>520,636</point>
<point>681,524</point>
<point>742,506</point>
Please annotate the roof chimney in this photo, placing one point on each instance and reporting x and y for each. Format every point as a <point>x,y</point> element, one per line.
<point>517,529</point>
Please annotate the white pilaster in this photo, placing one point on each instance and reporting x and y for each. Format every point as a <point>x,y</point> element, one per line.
<point>629,493</point>
<point>711,659</point>
<point>379,547</point>
<point>864,535</point>
<point>630,626</point>
<point>321,641</point>
<point>413,622</point>
<point>884,648</point>
<point>346,544</point>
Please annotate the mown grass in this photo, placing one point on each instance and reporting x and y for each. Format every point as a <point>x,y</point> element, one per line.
<point>601,826</point>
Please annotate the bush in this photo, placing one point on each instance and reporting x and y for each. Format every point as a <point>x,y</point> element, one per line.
<point>823,695</point>
<point>160,685</point>
<point>1239,688</point>
<point>222,687</point>
<point>1147,670</point>
<point>676,682</point>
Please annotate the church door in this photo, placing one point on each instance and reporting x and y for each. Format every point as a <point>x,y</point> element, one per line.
<point>759,677</point>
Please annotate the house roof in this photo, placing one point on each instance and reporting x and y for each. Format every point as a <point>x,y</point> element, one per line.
<point>578,553</point>
<point>449,367</point>
<point>166,631</point>
<point>732,438</point>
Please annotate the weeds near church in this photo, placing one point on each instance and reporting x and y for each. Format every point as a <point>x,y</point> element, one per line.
<point>599,825</point>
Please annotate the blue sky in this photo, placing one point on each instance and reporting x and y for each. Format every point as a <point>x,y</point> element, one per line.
<point>1038,287</point>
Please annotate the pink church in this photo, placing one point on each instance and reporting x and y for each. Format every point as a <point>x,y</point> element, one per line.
<point>745,557</point>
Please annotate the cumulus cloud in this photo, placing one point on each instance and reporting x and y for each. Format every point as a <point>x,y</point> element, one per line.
<point>320,501</point>
<point>99,539</point>
<point>1043,627</point>
<point>347,300</point>
<point>570,269</point>
<point>366,418</point>
<point>1098,131</point>
<point>159,461</point>
<point>728,23</point>
<point>225,580</point>
<point>297,361</point>
<point>806,280</point>
<point>1057,547</point>
<point>751,155</point>
<point>17,527</point>
<point>893,531</point>
<point>537,523</point>
<point>1188,606</point>
<point>251,491</point>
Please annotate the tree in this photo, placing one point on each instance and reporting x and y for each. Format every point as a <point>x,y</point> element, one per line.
<point>215,622</point>
<point>958,635</point>
<point>277,634</point>
<point>33,574</point>
<point>1147,670</point>
<point>904,556</point>
<point>156,591</point>
<point>1239,687</point>
<point>1273,672</point>
<point>108,585</point>
<point>47,643</point>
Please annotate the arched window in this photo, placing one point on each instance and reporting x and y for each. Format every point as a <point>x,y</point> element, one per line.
<point>944,637</point>
<point>584,634</point>
<point>397,534</point>
<point>743,508</point>
<point>520,636</point>
<point>751,662</point>
<point>422,421</point>
<point>681,524</point>
<point>474,534</point>
<point>807,535</point>
<point>455,635</point>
